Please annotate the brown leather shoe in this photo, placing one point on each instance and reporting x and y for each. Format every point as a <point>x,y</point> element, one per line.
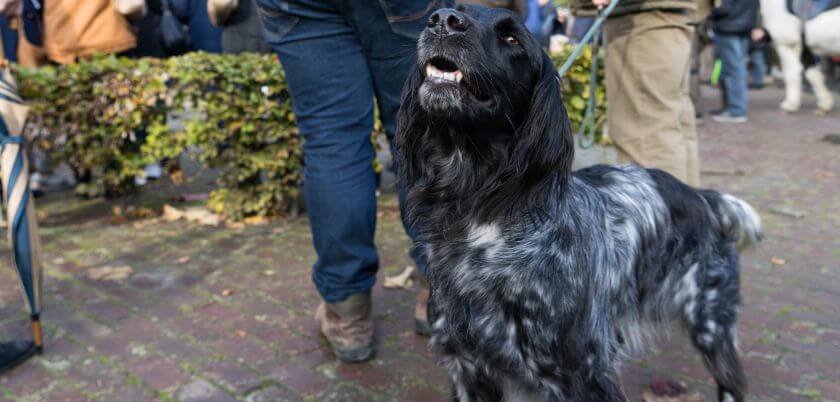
<point>348,327</point>
<point>421,308</point>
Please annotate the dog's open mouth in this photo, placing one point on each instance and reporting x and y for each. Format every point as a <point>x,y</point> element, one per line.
<point>441,70</point>
<point>444,75</point>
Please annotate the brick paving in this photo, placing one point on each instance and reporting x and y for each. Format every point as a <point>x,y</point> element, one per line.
<point>224,314</point>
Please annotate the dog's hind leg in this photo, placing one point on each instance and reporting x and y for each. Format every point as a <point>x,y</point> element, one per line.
<point>710,319</point>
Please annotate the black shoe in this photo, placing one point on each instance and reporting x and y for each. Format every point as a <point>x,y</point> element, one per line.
<point>13,353</point>
<point>755,86</point>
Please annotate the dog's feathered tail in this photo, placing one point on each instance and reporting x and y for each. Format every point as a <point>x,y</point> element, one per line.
<point>739,221</point>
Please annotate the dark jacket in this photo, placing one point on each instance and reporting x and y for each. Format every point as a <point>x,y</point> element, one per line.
<point>203,34</point>
<point>149,42</point>
<point>243,31</point>
<point>735,17</point>
<point>585,7</point>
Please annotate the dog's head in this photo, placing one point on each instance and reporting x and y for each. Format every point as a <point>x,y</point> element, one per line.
<point>483,89</point>
<point>477,62</point>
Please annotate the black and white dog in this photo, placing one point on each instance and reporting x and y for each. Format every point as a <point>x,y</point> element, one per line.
<point>543,278</point>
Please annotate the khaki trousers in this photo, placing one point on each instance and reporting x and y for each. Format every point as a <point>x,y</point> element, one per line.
<point>650,116</point>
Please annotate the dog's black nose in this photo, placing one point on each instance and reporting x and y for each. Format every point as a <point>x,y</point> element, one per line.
<point>447,21</point>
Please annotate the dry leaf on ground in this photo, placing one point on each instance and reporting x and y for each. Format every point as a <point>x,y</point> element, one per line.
<point>255,220</point>
<point>227,292</point>
<point>171,214</point>
<point>777,261</point>
<point>199,215</point>
<point>662,390</point>
<point>401,281</point>
<point>202,216</point>
<point>183,260</point>
<point>109,273</point>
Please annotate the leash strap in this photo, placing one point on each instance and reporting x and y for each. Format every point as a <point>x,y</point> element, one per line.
<point>586,138</point>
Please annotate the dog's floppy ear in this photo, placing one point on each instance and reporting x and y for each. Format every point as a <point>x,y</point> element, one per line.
<point>412,127</point>
<point>543,146</point>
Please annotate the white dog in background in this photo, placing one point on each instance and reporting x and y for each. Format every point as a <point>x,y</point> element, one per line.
<point>822,37</point>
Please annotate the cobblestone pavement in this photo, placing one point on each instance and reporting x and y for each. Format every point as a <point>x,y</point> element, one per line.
<point>213,314</point>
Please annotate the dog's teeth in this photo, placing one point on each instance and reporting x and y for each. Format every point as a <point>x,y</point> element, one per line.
<point>434,72</point>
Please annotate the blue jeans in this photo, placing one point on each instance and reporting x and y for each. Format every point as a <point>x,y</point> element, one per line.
<point>338,57</point>
<point>732,51</point>
<point>759,67</point>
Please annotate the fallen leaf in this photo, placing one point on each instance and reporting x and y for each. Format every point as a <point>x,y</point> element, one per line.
<point>143,223</point>
<point>240,333</point>
<point>227,292</point>
<point>255,220</point>
<point>202,216</point>
<point>199,215</point>
<point>177,177</point>
<point>401,281</point>
<point>777,261</point>
<point>171,214</point>
<point>663,390</point>
<point>269,272</point>
<point>109,273</point>
<point>788,212</point>
<point>140,213</point>
<point>183,260</point>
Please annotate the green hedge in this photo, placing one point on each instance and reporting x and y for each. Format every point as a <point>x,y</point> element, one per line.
<point>575,88</point>
<point>107,118</point>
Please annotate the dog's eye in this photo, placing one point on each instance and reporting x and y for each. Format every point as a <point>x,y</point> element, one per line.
<point>511,40</point>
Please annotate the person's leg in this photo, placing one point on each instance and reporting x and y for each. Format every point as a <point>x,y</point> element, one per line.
<point>695,90</point>
<point>390,49</point>
<point>741,79</point>
<point>332,95</point>
<point>390,55</point>
<point>651,118</point>
<point>759,67</point>
<point>731,50</point>
<point>334,112</point>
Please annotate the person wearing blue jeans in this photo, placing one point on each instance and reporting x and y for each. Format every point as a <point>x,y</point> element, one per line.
<point>341,56</point>
<point>733,22</point>
<point>758,63</point>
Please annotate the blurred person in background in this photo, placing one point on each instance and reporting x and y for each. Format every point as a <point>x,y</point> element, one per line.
<point>242,30</point>
<point>546,20</point>
<point>9,35</point>
<point>147,29</point>
<point>648,60</point>
<point>759,42</point>
<point>518,6</point>
<point>580,25</point>
<point>203,35</point>
<point>339,56</point>
<point>76,29</point>
<point>733,22</point>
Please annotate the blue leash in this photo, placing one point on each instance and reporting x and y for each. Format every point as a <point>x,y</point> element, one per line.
<point>586,138</point>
